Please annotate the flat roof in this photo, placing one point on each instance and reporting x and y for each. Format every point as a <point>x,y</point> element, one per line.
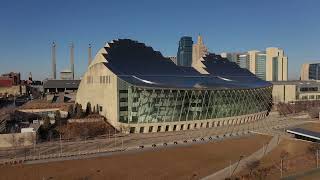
<point>305,133</point>
<point>69,84</point>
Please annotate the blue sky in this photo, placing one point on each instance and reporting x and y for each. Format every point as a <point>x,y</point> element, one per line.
<point>27,28</point>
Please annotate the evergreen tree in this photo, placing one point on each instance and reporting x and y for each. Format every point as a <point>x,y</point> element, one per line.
<point>88,109</point>
<point>70,111</point>
<point>79,111</point>
<point>94,110</point>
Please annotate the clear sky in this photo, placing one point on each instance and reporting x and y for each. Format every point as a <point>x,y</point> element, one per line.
<point>27,28</point>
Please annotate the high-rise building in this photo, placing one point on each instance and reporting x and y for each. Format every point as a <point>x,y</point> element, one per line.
<point>244,60</point>
<point>233,57</point>
<point>270,65</point>
<point>198,50</point>
<point>276,65</point>
<point>184,55</point>
<point>260,65</point>
<point>310,71</point>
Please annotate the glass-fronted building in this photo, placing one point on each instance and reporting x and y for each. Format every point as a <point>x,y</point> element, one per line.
<point>275,69</point>
<point>260,64</point>
<point>314,71</point>
<point>244,61</point>
<point>184,55</point>
<point>135,87</point>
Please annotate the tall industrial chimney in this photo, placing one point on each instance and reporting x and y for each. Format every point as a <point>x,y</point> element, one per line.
<point>54,65</point>
<point>89,55</point>
<point>72,59</point>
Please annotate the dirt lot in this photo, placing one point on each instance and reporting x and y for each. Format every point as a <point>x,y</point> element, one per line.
<point>298,159</point>
<point>188,162</point>
<point>313,176</point>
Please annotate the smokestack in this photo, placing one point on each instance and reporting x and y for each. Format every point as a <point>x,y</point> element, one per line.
<point>89,55</point>
<point>54,65</point>
<point>72,59</point>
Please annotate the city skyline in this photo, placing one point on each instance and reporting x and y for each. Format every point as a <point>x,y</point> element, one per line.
<point>27,34</point>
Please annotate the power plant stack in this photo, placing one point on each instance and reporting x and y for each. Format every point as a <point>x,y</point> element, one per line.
<point>89,55</point>
<point>72,59</point>
<point>54,65</point>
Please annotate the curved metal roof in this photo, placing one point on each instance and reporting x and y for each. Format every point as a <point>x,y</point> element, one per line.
<point>140,65</point>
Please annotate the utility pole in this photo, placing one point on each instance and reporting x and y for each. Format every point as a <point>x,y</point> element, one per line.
<point>230,169</point>
<point>281,167</point>
<point>115,138</point>
<point>34,145</point>
<point>60,145</point>
<point>60,136</point>
<point>317,158</point>
<point>121,142</point>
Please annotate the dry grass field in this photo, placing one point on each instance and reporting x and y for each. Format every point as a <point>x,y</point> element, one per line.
<point>298,159</point>
<point>311,126</point>
<point>184,162</point>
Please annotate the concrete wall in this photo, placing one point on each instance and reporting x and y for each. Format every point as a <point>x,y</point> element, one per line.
<point>101,94</point>
<point>14,90</point>
<point>49,111</point>
<point>304,72</point>
<point>284,93</point>
<point>284,68</point>
<point>17,139</point>
<point>189,125</point>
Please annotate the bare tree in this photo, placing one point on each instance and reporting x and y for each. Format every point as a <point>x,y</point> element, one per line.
<point>262,173</point>
<point>314,149</point>
<point>57,117</point>
<point>252,165</point>
<point>13,140</point>
<point>79,111</point>
<point>124,129</point>
<point>314,112</point>
<point>283,157</point>
<point>84,133</point>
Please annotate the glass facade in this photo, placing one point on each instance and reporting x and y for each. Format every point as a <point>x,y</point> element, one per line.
<point>184,55</point>
<point>314,71</point>
<point>261,66</point>
<point>142,105</point>
<point>244,61</point>
<point>275,69</point>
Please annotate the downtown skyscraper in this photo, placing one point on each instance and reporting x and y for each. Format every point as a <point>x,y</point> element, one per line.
<point>269,65</point>
<point>184,55</point>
